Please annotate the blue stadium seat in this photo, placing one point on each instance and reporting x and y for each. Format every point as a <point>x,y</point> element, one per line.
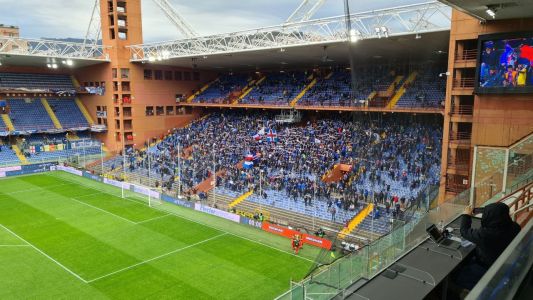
<point>68,113</point>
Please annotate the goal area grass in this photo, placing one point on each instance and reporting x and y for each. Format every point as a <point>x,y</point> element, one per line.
<point>68,237</point>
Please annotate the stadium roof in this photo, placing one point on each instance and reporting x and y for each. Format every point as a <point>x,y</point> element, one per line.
<point>16,51</point>
<point>506,9</point>
<point>407,48</point>
<point>384,23</point>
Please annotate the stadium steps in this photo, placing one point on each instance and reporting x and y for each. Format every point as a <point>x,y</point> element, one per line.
<point>297,220</point>
<point>394,83</point>
<point>7,122</point>
<point>399,93</point>
<point>84,111</point>
<point>252,86</point>
<point>51,113</point>
<point>19,154</point>
<point>75,82</point>
<point>302,93</point>
<point>356,220</point>
<point>241,198</point>
<point>205,87</point>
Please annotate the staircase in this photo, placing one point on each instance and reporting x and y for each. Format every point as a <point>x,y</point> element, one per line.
<point>7,121</point>
<point>205,87</point>
<point>356,221</point>
<point>84,111</point>
<point>75,82</point>
<point>240,199</point>
<point>399,93</point>
<point>19,154</point>
<point>302,93</point>
<point>289,218</point>
<point>249,89</point>
<point>51,113</point>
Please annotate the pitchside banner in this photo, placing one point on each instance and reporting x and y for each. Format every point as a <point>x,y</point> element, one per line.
<point>26,169</point>
<point>177,201</point>
<point>217,212</point>
<point>70,170</point>
<point>290,233</point>
<point>251,222</point>
<point>118,184</point>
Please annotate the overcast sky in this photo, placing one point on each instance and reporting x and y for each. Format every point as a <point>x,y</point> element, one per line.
<point>70,18</point>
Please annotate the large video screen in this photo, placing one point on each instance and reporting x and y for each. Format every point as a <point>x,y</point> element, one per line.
<point>505,64</point>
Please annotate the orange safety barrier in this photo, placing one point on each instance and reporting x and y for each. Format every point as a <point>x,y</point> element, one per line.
<point>290,233</point>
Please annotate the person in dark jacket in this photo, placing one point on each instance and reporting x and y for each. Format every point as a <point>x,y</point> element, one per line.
<point>496,233</point>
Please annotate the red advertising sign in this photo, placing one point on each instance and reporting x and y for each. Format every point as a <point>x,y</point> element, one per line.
<point>290,233</point>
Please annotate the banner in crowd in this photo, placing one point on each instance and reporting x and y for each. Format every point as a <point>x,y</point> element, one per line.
<point>217,212</point>
<point>290,233</point>
<point>95,90</point>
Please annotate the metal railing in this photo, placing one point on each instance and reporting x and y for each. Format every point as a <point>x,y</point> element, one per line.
<point>462,110</point>
<point>468,54</point>
<point>464,83</point>
<point>460,136</point>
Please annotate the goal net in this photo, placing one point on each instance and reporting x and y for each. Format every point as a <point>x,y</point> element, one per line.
<point>144,194</point>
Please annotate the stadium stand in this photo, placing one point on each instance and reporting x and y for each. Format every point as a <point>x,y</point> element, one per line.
<point>7,155</point>
<point>391,163</point>
<point>277,89</point>
<point>222,89</point>
<point>51,147</point>
<point>3,126</point>
<point>29,114</point>
<point>428,90</point>
<point>68,113</point>
<point>46,82</point>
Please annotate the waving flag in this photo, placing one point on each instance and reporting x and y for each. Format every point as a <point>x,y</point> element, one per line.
<point>272,136</point>
<point>257,137</point>
<point>249,157</point>
<point>247,165</point>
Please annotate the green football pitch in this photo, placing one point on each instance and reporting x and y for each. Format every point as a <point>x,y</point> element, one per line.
<point>68,237</point>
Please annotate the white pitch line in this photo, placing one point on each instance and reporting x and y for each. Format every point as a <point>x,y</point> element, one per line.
<point>92,194</point>
<point>191,220</point>
<point>103,210</point>
<point>38,188</point>
<point>14,245</point>
<point>152,219</point>
<point>155,258</point>
<point>48,256</point>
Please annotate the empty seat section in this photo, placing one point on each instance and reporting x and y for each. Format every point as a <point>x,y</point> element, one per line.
<point>29,114</point>
<point>36,81</point>
<point>68,113</point>
<point>277,89</point>
<point>220,90</point>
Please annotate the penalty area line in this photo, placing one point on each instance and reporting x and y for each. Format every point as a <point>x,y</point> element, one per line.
<point>43,253</point>
<point>155,258</point>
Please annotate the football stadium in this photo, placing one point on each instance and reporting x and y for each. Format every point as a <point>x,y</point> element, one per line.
<point>303,149</point>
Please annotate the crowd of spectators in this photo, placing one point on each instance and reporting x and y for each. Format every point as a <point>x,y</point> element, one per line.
<point>391,158</point>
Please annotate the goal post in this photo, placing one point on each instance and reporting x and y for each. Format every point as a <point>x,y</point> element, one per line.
<point>147,195</point>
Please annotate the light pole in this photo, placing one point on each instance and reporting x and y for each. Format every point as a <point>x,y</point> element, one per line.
<point>179,171</point>
<point>260,187</point>
<point>214,175</point>
<point>102,158</point>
